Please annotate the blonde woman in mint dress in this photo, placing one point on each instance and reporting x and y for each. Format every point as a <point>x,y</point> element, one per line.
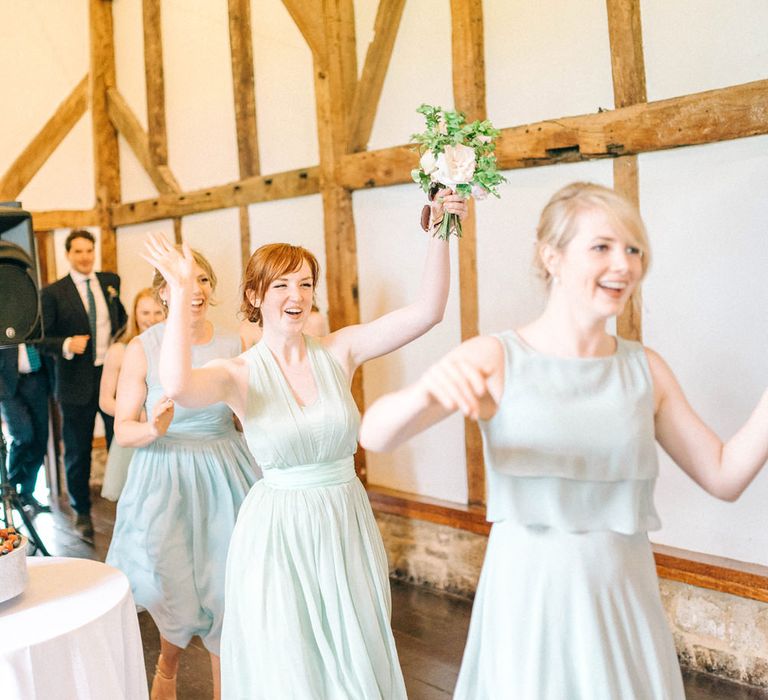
<point>189,474</point>
<point>568,603</point>
<point>307,592</point>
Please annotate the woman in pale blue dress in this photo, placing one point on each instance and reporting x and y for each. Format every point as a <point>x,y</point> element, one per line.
<point>568,604</point>
<point>307,592</point>
<point>190,472</point>
<point>146,312</point>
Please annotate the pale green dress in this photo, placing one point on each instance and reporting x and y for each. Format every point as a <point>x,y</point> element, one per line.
<point>568,604</point>
<point>307,590</point>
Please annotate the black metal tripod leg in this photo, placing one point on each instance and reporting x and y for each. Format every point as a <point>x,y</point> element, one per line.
<point>34,538</point>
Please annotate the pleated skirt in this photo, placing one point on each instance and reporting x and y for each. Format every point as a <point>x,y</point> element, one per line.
<point>174,521</point>
<point>568,615</point>
<point>308,599</point>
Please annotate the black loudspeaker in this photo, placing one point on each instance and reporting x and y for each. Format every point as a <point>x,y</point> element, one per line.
<point>20,319</point>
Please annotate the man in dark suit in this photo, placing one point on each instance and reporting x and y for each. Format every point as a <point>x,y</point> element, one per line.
<point>24,392</point>
<point>82,313</point>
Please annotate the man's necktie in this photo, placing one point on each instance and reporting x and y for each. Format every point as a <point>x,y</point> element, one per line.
<point>34,358</point>
<point>91,314</point>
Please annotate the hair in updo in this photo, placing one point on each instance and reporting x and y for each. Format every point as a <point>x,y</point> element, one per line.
<point>559,221</point>
<point>267,264</point>
<point>159,283</point>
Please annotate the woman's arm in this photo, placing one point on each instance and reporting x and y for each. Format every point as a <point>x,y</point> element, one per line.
<point>190,387</point>
<point>469,379</point>
<point>109,375</point>
<point>356,344</point>
<point>722,469</point>
<point>130,430</point>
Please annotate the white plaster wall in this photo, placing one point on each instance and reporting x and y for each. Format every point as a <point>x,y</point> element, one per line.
<point>704,206</point>
<point>704,311</point>
<point>391,249</point>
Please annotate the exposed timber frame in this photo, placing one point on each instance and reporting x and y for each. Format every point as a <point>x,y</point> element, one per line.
<point>346,108</point>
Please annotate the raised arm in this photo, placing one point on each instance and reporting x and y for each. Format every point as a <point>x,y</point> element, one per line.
<point>469,379</point>
<point>190,387</point>
<point>130,430</point>
<point>356,344</point>
<point>722,469</point>
<point>109,375</point>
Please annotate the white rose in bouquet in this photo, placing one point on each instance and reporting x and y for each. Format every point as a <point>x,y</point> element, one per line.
<point>455,165</point>
<point>428,162</point>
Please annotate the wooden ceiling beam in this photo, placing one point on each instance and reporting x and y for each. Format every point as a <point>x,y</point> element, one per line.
<point>127,123</point>
<point>154,78</point>
<point>335,81</point>
<point>628,71</point>
<point>469,97</point>
<point>64,218</point>
<point>308,17</point>
<point>262,188</point>
<point>706,117</point>
<point>37,152</point>
<point>244,91</point>
<point>369,87</point>
<point>106,154</point>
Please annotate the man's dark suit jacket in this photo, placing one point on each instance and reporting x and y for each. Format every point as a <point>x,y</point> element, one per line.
<point>64,316</point>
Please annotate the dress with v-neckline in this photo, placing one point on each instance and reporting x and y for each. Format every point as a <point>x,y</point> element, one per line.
<point>308,600</point>
<point>279,369</point>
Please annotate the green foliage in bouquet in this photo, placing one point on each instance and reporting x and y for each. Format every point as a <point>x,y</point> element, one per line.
<point>456,155</point>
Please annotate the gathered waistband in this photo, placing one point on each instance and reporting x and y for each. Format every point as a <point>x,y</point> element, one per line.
<point>305,476</point>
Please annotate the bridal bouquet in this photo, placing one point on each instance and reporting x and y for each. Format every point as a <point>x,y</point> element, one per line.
<point>458,156</point>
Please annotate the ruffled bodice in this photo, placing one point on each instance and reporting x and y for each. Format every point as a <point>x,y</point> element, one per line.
<point>572,443</point>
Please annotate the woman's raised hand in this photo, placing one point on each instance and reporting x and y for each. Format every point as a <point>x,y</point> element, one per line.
<point>178,269</point>
<point>446,201</point>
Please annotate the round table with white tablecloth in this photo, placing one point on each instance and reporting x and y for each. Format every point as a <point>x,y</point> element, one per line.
<point>73,633</point>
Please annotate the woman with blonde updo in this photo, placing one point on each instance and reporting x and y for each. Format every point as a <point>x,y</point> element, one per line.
<point>568,601</point>
<point>308,600</point>
<point>190,472</point>
<point>147,311</point>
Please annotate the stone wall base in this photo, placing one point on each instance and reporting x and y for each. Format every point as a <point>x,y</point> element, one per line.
<point>714,632</point>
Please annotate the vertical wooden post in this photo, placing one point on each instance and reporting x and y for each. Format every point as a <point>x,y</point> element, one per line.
<point>628,70</point>
<point>154,77</point>
<point>469,96</point>
<point>241,44</point>
<point>105,150</point>
<point>335,82</point>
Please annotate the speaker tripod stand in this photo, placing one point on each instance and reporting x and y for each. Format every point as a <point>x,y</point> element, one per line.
<point>10,501</point>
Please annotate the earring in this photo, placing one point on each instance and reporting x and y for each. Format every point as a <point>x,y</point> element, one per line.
<point>555,279</point>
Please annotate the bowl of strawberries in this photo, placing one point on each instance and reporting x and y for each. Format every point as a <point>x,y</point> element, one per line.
<point>13,563</point>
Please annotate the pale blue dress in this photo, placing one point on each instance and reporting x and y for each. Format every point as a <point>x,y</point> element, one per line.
<point>568,604</point>
<point>179,506</point>
<point>308,598</point>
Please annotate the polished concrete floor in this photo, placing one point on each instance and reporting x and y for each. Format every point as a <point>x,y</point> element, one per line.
<point>430,628</point>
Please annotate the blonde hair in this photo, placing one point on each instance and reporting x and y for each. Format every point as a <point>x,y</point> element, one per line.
<point>159,283</point>
<point>131,329</point>
<point>267,264</point>
<point>559,221</point>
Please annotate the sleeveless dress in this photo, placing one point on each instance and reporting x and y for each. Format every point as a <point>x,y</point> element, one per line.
<point>568,603</point>
<point>308,598</point>
<point>179,506</point>
<point>116,470</point>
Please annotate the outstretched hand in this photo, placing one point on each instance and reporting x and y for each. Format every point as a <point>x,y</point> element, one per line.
<point>457,384</point>
<point>178,269</point>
